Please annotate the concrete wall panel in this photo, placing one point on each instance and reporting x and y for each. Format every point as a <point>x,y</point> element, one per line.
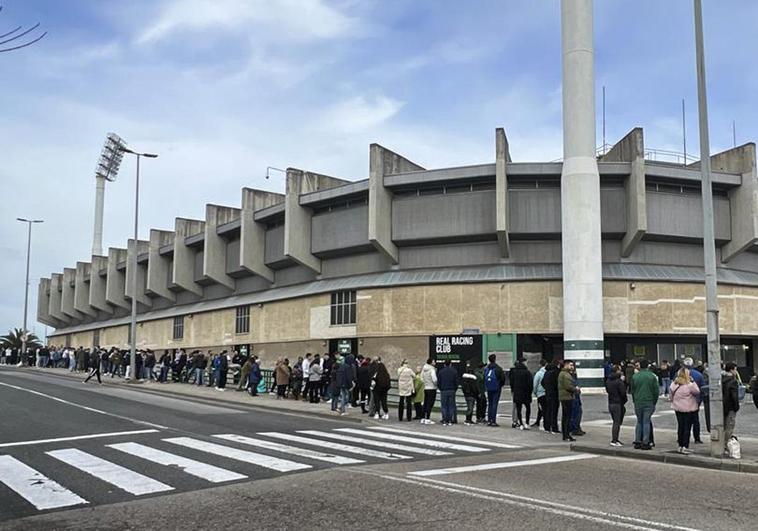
<point>214,257</point>
<point>136,286</point>
<point>340,230</point>
<point>68,295</point>
<point>98,285</point>
<point>159,266</point>
<point>680,216</point>
<point>502,158</point>
<point>253,240</point>
<point>184,256</point>
<point>81,289</point>
<point>115,285</point>
<point>55,307</point>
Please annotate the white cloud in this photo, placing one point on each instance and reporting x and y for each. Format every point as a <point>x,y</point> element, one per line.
<point>359,113</point>
<point>291,20</point>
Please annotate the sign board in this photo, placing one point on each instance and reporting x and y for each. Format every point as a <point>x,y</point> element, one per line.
<point>459,349</point>
<point>344,346</point>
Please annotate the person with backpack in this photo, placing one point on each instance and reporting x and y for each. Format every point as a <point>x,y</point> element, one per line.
<point>470,390</point>
<point>494,380</point>
<point>429,377</point>
<point>522,385</point>
<point>617,399</point>
<point>730,388</point>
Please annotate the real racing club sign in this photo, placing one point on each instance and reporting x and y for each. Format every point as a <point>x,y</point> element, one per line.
<point>456,348</point>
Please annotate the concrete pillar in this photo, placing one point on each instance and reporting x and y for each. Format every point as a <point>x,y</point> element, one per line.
<point>743,200</point>
<point>580,199</point>
<point>631,148</point>
<point>81,290</point>
<point>502,158</point>
<point>54,309</point>
<point>253,234</point>
<point>159,266</point>
<point>43,304</point>
<point>383,162</point>
<point>115,284</point>
<point>183,275</point>
<point>137,291</point>
<point>67,294</point>
<point>297,218</point>
<point>214,255</point>
<point>97,284</point>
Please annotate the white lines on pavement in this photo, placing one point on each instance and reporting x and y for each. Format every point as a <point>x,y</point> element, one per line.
<point>200,470</point>
<point>86,408</point>
<point>370,442</point>
<point>335,446</point>
<point>479,442</point>
<point>77,438</point>
<point>116,475</point>
<point>493,466</point>
<point>265,461</point>
<point>292,450</point>
<point>577,513</point>
<point>415,440</point>
<point>40,491</point>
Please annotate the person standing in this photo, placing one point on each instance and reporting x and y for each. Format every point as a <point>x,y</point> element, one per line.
<point>418,394</point>
<point>684,401</point>
<point>281,378</point>
<point>429,377</point>
<point>245,374</point>
<point>296,382</point>
<point>617,399</point>
<point>306,367</point>
<point>405,390</point>
<point>470,390</point>
<point>481,398</point>
<point>314,378</point>
<point>223,370</point>
<point>699,379</point>
<point>566,392</point>
<point>539,393</point>
<point>363,380</point>
<point>448,385</point>
<point>665,376</point>
<point>255,376</point>
<point>576,408</point>
<point>381,385</point>
<point>494,380</point>
<point>522,385</point>
<point>730,389</point>
<point>644,387</point>
<point>200,364</point>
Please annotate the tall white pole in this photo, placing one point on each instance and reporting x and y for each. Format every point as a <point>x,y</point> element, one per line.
<point>97,238</point>
<point>133,323</point>
<point>580,199</point>
<point>709,249</point>
<point>26,288</point>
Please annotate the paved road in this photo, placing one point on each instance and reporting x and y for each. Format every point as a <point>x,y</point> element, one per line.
<point>91,457</point>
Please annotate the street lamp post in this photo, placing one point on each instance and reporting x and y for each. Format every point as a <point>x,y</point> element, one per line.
<point>709,249</point>
<point>133,324</point>
<point>29,223</point>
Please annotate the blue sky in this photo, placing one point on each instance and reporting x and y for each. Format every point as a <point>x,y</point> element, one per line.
<point>223,88</point>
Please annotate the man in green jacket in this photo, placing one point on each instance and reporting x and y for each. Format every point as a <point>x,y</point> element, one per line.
<point>566,390</point>
<point>645,395</point>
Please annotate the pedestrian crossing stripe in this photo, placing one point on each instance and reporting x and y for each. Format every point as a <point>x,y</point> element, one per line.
<point>367,452</point>
<point>198,469</point>
<point>116,475</point>
<point>415,440</point>
<point>370,442</point>
<point>478,442</point>
<point>292,450</point>
<point>39,490</point>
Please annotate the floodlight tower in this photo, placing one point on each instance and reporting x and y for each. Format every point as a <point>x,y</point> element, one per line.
<point>106,170</point>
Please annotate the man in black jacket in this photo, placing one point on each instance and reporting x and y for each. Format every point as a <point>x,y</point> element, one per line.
<point>730,388</point>
<point>617,399</point>
<point>521,382</point>
<point>550,383</point>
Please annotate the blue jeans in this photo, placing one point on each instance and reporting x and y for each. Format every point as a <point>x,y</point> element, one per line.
<point>199,373</point>
<point>666,385</point>
<point>344,398</point>
<point>448,405</point>
<point>642,429</point>
<point>576,415</point>
<point>493,399</point>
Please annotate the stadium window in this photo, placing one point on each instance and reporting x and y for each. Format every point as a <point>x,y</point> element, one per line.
<point>343,308</point>
<point>178,327</point>
<point>242,320</point>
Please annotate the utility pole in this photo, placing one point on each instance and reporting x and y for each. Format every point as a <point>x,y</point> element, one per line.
<point>709,250</point>
<point>684,132</point>
<point>24,333</point>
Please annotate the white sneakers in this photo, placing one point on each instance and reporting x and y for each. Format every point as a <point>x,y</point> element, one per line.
<point>377,416</point>
<point>684,451</point>
<point>386,416</point>
<point>616,444</point>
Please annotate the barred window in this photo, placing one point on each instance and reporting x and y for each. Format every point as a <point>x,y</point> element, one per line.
<point>343,307</point>
<point>242,320</point>
<point>179,327</point>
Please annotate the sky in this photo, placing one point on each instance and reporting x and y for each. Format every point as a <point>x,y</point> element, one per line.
<point>221,89</point>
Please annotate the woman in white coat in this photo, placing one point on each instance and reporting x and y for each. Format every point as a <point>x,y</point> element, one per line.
<point>405,390</point>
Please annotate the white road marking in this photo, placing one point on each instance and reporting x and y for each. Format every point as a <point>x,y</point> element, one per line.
<point>493,466</point>
<point>40,491</point>
<point>372,442</point>
<point>335,446</point>
<point>292,450</point>
<point>446,437</point>
<point>116,475</point>
<point>578,513</point>
<point>86,408</point>
<point>204,471</point>
<point>265,461</point>
<point>415,440</point>
<point>77,438</point>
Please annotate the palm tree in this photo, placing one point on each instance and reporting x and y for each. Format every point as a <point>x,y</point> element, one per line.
<point>13,339</point>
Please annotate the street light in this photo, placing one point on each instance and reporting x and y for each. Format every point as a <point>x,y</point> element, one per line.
<point>29,223</point>
<point>133,325</point>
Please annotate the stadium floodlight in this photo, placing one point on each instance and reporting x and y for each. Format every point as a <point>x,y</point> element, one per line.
<point>106,170</point>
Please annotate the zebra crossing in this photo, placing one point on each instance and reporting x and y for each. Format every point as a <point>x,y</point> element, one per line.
<point>38,478</point>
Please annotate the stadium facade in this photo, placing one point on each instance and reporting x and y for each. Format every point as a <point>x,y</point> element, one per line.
<point>399,263</point>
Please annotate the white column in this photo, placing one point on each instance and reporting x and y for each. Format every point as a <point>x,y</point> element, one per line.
<point>97,239</point>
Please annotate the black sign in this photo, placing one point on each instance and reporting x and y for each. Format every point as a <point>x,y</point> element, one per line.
<point>459,349</point>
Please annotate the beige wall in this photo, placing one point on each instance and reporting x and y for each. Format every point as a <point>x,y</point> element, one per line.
<point>394,322</point>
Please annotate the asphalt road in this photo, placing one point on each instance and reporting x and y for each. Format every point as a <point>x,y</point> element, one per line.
<point>156,463</point>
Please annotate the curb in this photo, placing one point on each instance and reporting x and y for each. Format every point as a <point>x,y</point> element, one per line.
<point>728,465</point>
<point>213,401</point>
